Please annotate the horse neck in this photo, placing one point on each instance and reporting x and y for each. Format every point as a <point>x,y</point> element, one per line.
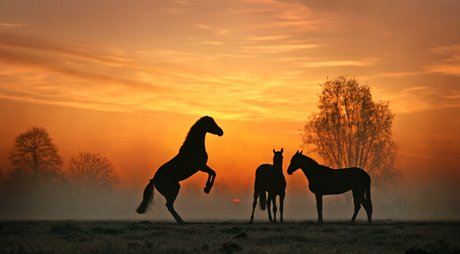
<point>278,166</point>
<point>310,168</point>
<point>195,139</point>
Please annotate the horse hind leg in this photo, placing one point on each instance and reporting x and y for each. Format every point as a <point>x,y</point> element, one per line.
<point>176,216</point>
<point>368,207</point>
<point>254,205</point>
<point>367,204</point>
<point>170,190</point>
<point>358,198</point>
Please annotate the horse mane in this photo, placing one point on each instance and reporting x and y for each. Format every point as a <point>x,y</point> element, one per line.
<point>310,160</point>
<point>194,127</point>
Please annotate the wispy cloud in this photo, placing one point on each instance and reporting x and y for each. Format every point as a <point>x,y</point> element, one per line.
<point>215,43</point>
<point>11,25</point>
<point>402,74</point>
<point>278,48</point>
<point>421,98</point>
<point>218,31</point>
<point>269,38</point>
<point>169,55</point>
<point>449,65</point>
<point>446,50</point>
<point>335,63</point>
<point>287,15</point>
<point>89,76</point>
<point>447,68</point>
<point>73,50</point>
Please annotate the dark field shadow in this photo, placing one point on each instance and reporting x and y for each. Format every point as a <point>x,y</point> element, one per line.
<point>228,237</point>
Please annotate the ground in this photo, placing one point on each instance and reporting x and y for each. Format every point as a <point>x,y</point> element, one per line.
<point>228,237</point>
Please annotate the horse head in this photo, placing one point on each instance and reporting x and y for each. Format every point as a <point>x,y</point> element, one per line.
<point>209,125</point>
<point>278,158</point>
<point>295,162</point>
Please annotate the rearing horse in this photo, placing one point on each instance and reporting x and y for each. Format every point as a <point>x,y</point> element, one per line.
<point>323,180</point>
<point>192,157</point>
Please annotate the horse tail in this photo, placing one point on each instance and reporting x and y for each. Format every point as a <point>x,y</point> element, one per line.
<point>148,198</point>
<point>260,192</point>
<point>368,196</point>
<point>262,200</point>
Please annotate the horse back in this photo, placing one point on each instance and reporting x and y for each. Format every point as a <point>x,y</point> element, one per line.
<point>267,178</point>
<point>181,167</point>
<point>350,176</point>
<point>337,181</point>
<point>359,175</point>
<point>264,172</point>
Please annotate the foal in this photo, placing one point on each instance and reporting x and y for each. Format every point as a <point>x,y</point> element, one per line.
<point>270,178</point>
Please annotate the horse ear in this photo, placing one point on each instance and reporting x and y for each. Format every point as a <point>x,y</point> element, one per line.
<point>281,150</point>
<point>273,150</point>
<point>301,152</point>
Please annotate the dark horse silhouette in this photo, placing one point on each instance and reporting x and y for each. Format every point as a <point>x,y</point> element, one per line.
<point>192,157</point>
<point>270,178</point>
<point>326,181</point>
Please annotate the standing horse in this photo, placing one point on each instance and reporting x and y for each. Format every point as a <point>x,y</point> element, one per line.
<point>270,178</point>
<point>192,157</point>
<point>326,181</point>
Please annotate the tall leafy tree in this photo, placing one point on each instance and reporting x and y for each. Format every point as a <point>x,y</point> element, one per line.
<point>349,129</point>
<point>91,170</point>
<point>35,152</point>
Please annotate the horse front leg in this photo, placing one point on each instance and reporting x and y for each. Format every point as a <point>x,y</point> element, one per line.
<point>274,208</point>
<point>319,207</point>
<point>269,204</point>
<point>211,177</point>
<point>281,206</point>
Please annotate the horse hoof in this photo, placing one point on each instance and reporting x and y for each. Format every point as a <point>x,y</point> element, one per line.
<point>207,190</point>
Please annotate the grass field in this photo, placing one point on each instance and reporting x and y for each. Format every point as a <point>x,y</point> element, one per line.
<point>228,237</point>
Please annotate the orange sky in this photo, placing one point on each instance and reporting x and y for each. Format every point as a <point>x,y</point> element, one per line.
<point>127,79</point>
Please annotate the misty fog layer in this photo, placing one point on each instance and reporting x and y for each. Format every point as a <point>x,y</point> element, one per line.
<point>27,199</point>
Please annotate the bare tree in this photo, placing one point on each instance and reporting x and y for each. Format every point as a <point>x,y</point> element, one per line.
<point>351,130</point>
<point>91,170</point>
<point>35,151</point>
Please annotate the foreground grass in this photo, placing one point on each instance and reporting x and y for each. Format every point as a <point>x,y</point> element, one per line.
<point>231,237</point>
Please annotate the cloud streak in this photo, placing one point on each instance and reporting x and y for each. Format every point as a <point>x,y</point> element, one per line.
<point>89,77</point>
<point>11,25</point>
<point>336,63</point>
<point>449,65</point>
